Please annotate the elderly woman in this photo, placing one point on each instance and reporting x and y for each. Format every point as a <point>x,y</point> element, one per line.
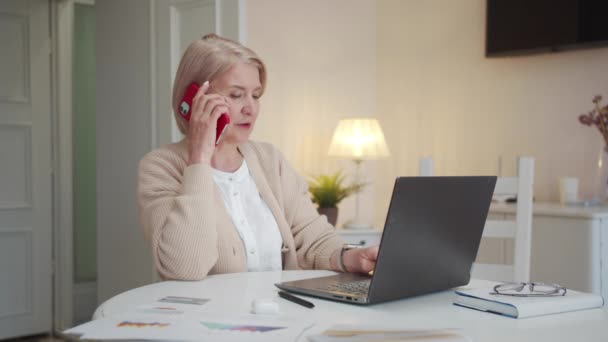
<point>236,206</point>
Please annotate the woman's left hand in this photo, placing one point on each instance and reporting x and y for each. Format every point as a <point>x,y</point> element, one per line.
<point>360,260</point>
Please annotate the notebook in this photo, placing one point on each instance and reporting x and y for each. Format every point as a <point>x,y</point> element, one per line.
<point>431,236</point>
<point>522,307</point>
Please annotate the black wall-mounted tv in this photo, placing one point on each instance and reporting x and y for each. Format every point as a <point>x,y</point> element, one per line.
<point>516,27</point>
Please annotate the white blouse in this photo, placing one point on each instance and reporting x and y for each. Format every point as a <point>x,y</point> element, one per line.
<point>252,218</point>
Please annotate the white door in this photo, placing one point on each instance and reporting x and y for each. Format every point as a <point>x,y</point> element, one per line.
<point>173,24</point>
<point>178,23</point>
<point>25,168</point>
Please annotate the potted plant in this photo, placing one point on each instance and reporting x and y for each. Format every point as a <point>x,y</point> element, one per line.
<point>328,190</point>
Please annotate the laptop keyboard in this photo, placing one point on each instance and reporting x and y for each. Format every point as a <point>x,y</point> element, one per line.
<point>360,287</point>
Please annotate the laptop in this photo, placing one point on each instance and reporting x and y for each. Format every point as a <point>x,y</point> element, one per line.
<point>431,236</point>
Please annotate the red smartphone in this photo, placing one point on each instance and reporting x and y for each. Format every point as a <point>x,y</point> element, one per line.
<point>186,105</point>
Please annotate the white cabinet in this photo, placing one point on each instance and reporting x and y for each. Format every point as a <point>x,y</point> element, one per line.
<point>569,245</point>
<point>364,237</point>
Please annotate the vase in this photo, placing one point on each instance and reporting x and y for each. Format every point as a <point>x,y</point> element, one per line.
<point>601,185</point>
<point>331,213</point>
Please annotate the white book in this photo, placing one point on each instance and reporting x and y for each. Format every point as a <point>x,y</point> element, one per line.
<point>522,307</point>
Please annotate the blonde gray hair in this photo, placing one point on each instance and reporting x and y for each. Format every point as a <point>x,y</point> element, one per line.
<point>204,60</point>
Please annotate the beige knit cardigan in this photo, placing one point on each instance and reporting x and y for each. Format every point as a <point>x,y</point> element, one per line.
<point>191,234</point>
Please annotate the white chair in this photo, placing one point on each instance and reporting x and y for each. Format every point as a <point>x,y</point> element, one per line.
<point>519,229</point>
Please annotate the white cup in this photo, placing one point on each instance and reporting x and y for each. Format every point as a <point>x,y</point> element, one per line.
<point>568,190</point>
<point>425,167</point>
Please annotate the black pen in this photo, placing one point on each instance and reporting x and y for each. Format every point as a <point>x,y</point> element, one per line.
<point>295,299</point>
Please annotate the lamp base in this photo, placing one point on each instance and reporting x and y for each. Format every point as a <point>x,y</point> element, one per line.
<point>357,225</point>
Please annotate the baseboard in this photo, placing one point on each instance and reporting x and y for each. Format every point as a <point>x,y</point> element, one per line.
<point>85,301</point>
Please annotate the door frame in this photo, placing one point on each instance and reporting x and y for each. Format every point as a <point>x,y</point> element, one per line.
<point>62,23</point>
<point>62,17</point>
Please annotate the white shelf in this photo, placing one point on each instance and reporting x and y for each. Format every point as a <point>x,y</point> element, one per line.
<point>555,209</point>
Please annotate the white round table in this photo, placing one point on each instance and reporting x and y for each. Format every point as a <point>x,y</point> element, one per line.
<point>233,293</point>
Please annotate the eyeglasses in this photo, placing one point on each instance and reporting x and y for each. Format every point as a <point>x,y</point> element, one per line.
<point>533,290</point>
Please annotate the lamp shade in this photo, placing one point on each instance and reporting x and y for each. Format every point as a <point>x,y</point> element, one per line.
<point>359,139</point>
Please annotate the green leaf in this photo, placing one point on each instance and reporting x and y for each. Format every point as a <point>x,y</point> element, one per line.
<point>329,190</point>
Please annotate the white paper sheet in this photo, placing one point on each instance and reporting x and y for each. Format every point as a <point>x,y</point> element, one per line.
<point>192,327</point>
<point>370,333</point>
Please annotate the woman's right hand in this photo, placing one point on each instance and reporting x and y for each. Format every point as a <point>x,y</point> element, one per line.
<point>206,109</point>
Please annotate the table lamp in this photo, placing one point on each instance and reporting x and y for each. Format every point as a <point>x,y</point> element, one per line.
<point>358,139</point>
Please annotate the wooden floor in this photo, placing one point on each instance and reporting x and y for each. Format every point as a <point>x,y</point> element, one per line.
<point>37,338</point>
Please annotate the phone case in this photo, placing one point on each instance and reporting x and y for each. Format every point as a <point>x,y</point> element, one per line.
<point>222,126</point>
<point>186,105</point>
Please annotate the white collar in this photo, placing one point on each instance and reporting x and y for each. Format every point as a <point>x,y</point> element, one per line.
<point>237,176</point>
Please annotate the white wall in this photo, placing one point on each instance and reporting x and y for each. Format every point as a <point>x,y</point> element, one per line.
<point>123,137</point>
<point>321,61</point>
<point>439,96</point>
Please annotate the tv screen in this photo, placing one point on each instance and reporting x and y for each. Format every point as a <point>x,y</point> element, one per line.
<point>516,27</point>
